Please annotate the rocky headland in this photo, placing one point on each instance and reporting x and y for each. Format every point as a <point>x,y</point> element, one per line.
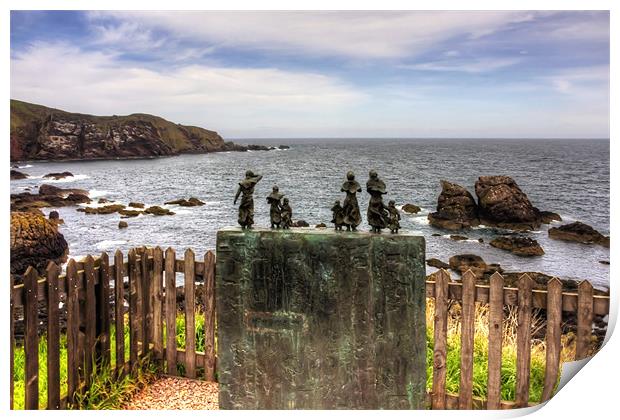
<point>42,133</point>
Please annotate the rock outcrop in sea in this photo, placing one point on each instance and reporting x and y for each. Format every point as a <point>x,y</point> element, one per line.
<point>35,241</point>
<point>518,245</point>
<point>456,208</point>
<point>48,196</point>
<point>579,232</point>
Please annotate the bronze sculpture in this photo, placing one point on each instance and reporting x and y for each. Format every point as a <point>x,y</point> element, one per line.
<point>351,209</point>
<point>393,217</point>
<point>377,211</point>
<point>246,207</point>
<point>337,215</point>
<point>275,215</point>
<point>286,214</point>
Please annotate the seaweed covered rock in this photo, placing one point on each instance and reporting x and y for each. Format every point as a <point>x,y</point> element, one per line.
<point>411,208</point>
<point>192,202</point>
<point>518,245</point>
<point>35,241</point>
<point>579,232</point>
<point>158,211</point>
<point>108,209</point>
<point>501,203</point>
<point>456,208</point>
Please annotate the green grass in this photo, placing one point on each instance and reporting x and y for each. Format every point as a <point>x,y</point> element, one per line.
<point>106,392</point>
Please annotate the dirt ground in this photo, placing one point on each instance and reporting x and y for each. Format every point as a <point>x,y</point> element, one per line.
<point>168,393</point>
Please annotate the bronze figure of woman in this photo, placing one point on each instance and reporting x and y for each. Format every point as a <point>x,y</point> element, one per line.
<point>377,211</point>
<point>351,209</point>
<point>275,209</point>
<point>246,208</point>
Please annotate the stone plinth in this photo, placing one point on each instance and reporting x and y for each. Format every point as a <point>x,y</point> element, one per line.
<point>319,319</point>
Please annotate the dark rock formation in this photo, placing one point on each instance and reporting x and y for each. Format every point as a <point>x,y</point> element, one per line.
<point>463,262</point>
<point>300,223</point>
<point>518,245</point>
<point>47,189</point>
<point>35,241</point>
<point>320,226</point>
<point>137,205</point>
<point>122,224</point>
<point>549,216</point>
<point>48,196</point>
<point>458,237</point>
<point>125,213</point>
<point>103,201</point>
<point>501,203</point>
<point>109,209</point>
<point>158,211</point>
<point>579,232</point>
<point>283,147</point>
<point>605,262</point>
<point>38,132</point>
<point>411,208</point>
<point>17,175</point>
<point>192,202</point>
<point>58,175</point>
<point>434,262</point>
<point>456,208</point>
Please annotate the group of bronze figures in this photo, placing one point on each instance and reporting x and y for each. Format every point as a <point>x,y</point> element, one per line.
<point>346,215</point>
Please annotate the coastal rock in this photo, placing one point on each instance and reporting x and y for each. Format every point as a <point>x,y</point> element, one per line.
<point>103,201</point>
<point>434,262</point>
<point>501,203</point>
<point>38,132</point>
<point>158,211</point>
<point>192,202</point>
<point>456,208</point>
<point>463,262</point>
<point>109,209</point>
<point>579,232</point>
<point>17,175</point>
<point>136,205</point>
<point>283,147</point>
<point>122,224</point>
<point>130,213</point>
<point>35,241</point>
<point>548,216</point>
<point>518,245</point>
<point>411,209</point>
<point>300,223</point>
<point>49,196</point>
<point>458,237</point>
<point>46,189</point>
<point>605,262</point>
<point>321,226</point>
<point>58,175</point>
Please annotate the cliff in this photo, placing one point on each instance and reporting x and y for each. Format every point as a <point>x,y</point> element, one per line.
<point>42,133</point>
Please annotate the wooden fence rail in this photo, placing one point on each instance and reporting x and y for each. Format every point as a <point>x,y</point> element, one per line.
<point>93,294</point>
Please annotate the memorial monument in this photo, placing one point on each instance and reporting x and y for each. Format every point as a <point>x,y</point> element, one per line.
<point>317,319</point>
<point>246,207</point>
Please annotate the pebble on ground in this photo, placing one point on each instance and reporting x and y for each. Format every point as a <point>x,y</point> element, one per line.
<point>168,393</point>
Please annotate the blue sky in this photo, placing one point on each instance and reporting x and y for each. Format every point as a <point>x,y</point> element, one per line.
<point>324,74</point>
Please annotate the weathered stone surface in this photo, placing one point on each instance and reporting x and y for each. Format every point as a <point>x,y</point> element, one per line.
<point>319,319</point>
<point>456,208</point>
<point>579,232</point>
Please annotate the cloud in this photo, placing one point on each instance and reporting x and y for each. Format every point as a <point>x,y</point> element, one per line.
<point>353,34</point>
<point>63,76</point>
<point>481,65</point>
<point>581,80</point>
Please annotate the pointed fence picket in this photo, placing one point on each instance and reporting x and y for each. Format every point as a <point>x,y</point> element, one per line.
<point>140,294</point>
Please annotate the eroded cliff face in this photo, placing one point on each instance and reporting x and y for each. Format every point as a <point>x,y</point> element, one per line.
<point>41,133</point>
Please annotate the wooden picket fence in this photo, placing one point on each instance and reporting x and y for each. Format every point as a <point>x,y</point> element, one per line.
<point>94,298</point>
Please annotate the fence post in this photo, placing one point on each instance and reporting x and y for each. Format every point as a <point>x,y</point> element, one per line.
<point>496,328</point>
<point>31,340</point>
<point>73,327</point>
<point>209,278</point>
<point>53,338</point>
<point>440,338</point>
<point>134,324</point>
<point>190,322</point>
<point>553,338</point>
<point>468,307</point>
<point>524,339</point>
<point>171,312</point>
<point>147,314</point>
<point>103,311</point>
<point>12,343</point>
<point>585,309</point>
<point>119,312</point>
<point>156,304</point>
<point>91,318</point>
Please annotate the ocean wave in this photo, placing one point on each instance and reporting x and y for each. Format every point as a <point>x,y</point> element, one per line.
<point>73,178</point>
<point>24,166</point>
<point>97,193</point>
<point>108,244</point>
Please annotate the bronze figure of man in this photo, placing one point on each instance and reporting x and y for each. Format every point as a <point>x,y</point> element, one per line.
<point>246,190</point>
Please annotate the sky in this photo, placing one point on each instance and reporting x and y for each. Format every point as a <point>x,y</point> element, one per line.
<point>497,74</point>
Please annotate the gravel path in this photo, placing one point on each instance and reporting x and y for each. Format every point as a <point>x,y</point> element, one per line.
<point>168,393</point>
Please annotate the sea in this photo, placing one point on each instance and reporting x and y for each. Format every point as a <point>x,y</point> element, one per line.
<point>566,176</point>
